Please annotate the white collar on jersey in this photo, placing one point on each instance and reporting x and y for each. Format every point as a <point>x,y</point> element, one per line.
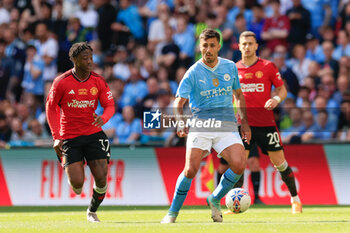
<point>209,68</point>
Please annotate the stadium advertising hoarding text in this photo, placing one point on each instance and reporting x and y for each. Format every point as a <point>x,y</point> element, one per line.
<point>147,176</point>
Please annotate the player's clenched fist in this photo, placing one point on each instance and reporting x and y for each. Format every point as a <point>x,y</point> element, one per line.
<point>182,131</point>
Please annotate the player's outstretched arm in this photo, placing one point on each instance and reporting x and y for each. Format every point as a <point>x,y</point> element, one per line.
<point>281,94</point>
<point>241,108</point>
<point>179,103</point>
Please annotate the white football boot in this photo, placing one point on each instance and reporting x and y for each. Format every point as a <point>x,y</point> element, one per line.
<point>214,204</point>
<point>92,216</point>
<point>170,217</point>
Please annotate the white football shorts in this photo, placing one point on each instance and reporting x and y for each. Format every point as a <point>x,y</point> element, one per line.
<point>217,140</point>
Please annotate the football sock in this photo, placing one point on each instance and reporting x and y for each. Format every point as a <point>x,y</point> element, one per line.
<point>218,177</point>
<point>97,197</point>
<point>255,177</point>
<point>183,184</point>
<point>239,183</point>
<point>288,178</point>
<point>227,181</point>
<point>282,167</point>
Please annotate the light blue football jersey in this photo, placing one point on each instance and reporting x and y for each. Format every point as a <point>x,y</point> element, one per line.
<point>209,90</point>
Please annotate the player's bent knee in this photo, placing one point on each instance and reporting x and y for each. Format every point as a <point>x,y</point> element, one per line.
<point>254,165</point>
<point>77,188</point>
<point>100,182</point>
<point>76,184</point>
<point>190,172</point>
<point>238,167</point>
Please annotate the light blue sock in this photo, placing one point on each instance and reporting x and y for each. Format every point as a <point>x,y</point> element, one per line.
<point>183,184</point>
<point>227,182</point>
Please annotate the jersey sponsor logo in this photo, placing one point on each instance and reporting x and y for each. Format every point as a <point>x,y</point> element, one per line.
<point>252,87</point>
<point>71,92</point>
<point>82,91</point>
<point>94,91</point>
<point>227,77</point>
<point>215,82</point>
<point>248,75</point>
<point>217,92</point>
<point>81,103</point>
<point>259,74</point>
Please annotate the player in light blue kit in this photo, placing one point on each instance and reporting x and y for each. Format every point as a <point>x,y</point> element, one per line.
<point>210,85</point>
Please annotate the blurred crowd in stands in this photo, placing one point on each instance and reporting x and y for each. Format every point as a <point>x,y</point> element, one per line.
<point>144,47</point>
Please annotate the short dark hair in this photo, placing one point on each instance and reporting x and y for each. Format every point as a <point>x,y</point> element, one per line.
<point>209,33</point>
<point>77,48</point>
<point>239,16</point>
<point>258,6</point>
<point>30,46</point>
<point>247,34</point>
<point>275,1</point>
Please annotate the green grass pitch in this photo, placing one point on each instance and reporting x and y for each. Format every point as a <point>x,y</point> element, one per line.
<point>191,219</point>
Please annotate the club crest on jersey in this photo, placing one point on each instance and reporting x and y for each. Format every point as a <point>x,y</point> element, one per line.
<point>94,91</point>
<point>215,82</point>
<point>259,74</point>
<point>227,77</point>
<point>82,92</point>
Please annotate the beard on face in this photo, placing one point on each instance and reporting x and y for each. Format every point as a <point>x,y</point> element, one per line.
<point>210,59</point>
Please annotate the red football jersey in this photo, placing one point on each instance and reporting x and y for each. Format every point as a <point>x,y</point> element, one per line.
<point>281,23</point>
<point>71,104</point>
<point>256,82</point>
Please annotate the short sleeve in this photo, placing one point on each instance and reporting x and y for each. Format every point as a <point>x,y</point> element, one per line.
<point>105,95</point>
<point>275,75</point>
<point>185,86</point>
<point>236,85</point>
<point>55,93</point>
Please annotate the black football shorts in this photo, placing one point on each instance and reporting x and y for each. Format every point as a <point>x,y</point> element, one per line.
<point>88,147</point>
<point>267,138</point>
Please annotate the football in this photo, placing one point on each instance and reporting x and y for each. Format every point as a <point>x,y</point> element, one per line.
<point>238,200</point>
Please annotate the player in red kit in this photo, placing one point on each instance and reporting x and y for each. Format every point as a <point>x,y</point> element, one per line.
<point>257,77</point>
<point>76,129</point>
